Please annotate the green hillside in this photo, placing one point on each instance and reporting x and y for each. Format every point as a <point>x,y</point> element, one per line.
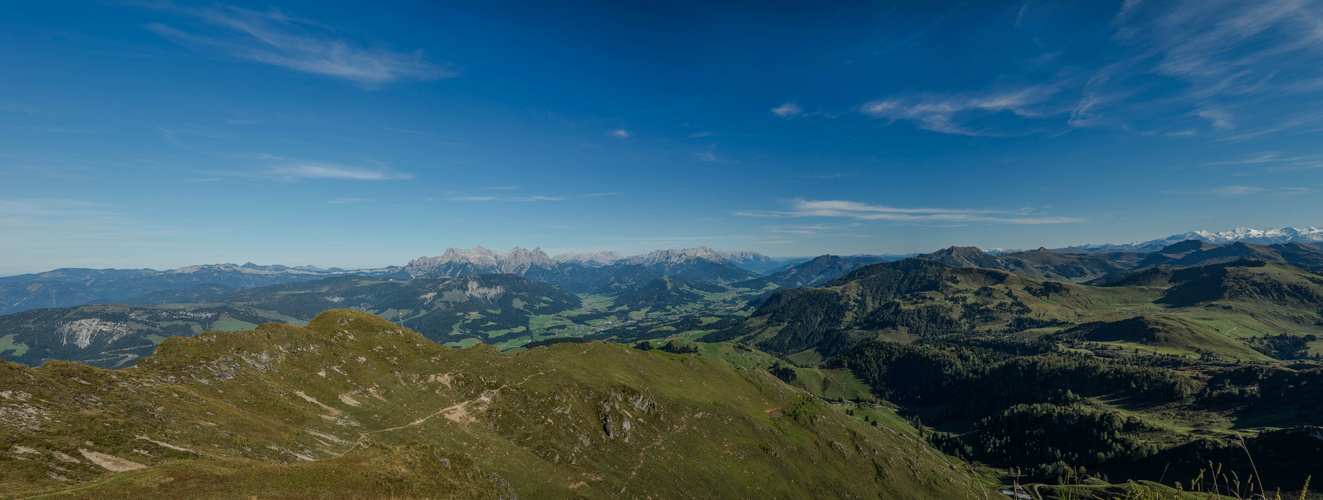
<point>354,401</point>
<point>1213,307</point>
<point>1163,334</point>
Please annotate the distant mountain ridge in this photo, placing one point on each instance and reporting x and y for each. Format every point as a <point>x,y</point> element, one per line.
<point>519,260</point>
<point>577,272</point>
<point>1309,234</point>
<point>75,274</point>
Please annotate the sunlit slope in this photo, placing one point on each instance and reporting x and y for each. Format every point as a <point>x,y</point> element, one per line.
<point>355,397</point>
<point>1209,308</point>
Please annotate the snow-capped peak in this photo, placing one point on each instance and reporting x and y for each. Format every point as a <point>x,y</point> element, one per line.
<point>1308,234</point>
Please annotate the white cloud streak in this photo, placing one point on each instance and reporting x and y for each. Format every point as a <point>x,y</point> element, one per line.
<point>863,211</point>
<point>1227,66</point>
<point>950,113</point>
<point>1243,191</point>
<point>304,170</point>
<point>787,110</point>
<point>508,198</point>
<point>276,38</point>
<point>520,199</point>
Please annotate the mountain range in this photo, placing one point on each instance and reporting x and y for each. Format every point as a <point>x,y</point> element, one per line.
<point>578,272</point>
<point>1310,234</point>
<point>1136,365</point>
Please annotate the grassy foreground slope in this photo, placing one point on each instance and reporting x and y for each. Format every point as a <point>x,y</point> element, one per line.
<point>352,405</point>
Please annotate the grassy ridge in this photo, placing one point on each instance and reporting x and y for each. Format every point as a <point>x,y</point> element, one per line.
<point>594,420</point>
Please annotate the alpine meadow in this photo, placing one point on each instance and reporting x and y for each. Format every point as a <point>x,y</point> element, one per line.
<point>1021,249</point>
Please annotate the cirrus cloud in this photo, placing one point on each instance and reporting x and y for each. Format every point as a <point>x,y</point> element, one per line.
<point>864,211</point>
<point>280,39</point>
<point>302,170</point>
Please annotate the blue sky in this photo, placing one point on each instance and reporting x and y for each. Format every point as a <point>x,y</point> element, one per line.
<point>161,134</point>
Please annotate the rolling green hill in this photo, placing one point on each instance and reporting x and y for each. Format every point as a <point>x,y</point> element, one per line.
<point>1107,267</point>
<point>665,293</point>
<point>816,272</point>
<point>353,401</point>
<point>921,299</point>
<point>1163,333</point>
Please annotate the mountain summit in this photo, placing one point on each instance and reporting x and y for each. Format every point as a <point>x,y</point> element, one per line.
<point>479,259</point>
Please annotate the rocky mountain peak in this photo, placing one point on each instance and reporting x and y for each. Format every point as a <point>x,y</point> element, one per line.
<point>594,259</point>
<point>678,256</point>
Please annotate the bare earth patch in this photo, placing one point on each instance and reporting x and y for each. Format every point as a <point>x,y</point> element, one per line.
<point>349,400</point>
<point>328,437</point>
<point>110,462</point>
<point>443,378</point>
<point>313,400</point>
<point>164,444</point>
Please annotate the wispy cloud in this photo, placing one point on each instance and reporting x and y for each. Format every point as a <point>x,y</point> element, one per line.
<point>1128,7</point>
<point>1220,118</point>
<point>620,132</point>
<point>415,132</point>
<point>1230,58</point>
<point>1171,68</point>
<point>1243,191</point>
<point>175,135</point>
<point>827,175</point>
<point>339,201</point>
<point>863,211</point>
<point>508,198</point>
<point>296,170</point>
<point>709,155</point>
<point>1272,162</point>
<point>37,224</point>
<point>519,199</point>
<point>279,39</point>
<point>1262,158</point>
<point>812,230</point>
<point>1236,190</point>
<point>951,113</point>
<point>787,110</point>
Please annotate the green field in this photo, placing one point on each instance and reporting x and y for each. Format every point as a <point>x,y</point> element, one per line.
<point>15,349</point>
<point>232,325</point>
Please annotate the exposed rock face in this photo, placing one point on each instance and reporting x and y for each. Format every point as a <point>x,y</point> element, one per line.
<point>84,331</point>
<point>594,259</point>
<point>700,263</point>
<point>678,256</point>
<point>480,260</point>
<point>478,291</point>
